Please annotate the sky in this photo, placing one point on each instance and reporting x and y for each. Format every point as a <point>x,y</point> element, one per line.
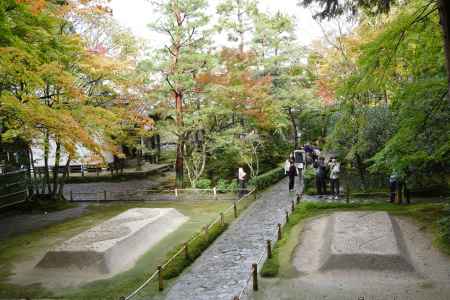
<point>137,15</point>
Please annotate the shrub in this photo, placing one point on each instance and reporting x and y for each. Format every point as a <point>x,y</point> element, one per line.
<point>195,249</point>
<point>203,183</point>
<point>233,185</point>
<point>222,186</point>
<point>444,228</point>
<point>265,180</point>
<point>309,177</point>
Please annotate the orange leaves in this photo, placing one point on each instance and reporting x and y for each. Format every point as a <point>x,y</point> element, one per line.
<point>325,92</point>
<point>36,6</point>
<point>238,87</point>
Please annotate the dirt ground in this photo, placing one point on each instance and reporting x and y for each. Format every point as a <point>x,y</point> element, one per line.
<point>303,278</point>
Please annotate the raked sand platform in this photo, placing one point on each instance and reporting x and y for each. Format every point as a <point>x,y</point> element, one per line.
<point>116,244</point>
<point>364,240</point>
<point>348,255</point>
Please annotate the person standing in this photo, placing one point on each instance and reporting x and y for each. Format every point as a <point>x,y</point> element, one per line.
<point>241,177</point>
<point>292,172</point>
<point>320,176</point>
<point>287,165</point>
<point>334,177</point>
<point>393,180</point>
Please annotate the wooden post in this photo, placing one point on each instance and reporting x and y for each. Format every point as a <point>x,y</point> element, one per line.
<point>71,195</point>
<point>287,217</point>
<point>186,251</point>
<point>104,195</point>
<point>347,192</point>
<point>176,193</point>
<point>215,192</point>
<point>269,249</point>
<point>298,199</point>
<point>293,205</point>
<point>279,232</point>
<point>235,209</point>
<point>255,276</point>
<point>160,279</point>
<point>206,231</point>
<point>222,219</point>
<point>399,192</point>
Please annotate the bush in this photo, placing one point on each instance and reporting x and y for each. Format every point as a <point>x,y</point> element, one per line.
<point>203,183</point>
<point>233,185</point>
<point>309,177</point>
<point>265,180</point>
<point>222,186</point>
<point>444,229</point>
<point>195,249</point>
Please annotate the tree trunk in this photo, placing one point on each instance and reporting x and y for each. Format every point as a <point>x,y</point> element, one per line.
<point>30,185</point>
<point>34,182</point>
<point>63,179</point>
<point>180,143</point>
<point>46,171</point>
<point>158,148</point>
<point>361,169</point>
<point>294,128</point>
<point>56,169</point>
<point>444,14</point>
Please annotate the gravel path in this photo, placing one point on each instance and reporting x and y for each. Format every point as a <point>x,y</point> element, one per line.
<point>24,223</point>
<point>222,270</point>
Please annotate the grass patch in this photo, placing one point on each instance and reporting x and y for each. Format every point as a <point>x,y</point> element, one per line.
<point>433,216</point>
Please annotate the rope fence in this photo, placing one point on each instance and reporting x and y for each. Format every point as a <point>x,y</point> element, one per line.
<point>158,273</point>
<point>154,195</point>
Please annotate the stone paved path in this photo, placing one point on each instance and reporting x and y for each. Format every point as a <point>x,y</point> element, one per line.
<point>222,270</point>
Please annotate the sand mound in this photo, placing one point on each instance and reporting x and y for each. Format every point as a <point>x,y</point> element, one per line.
<point>364,240</point>
<point>115,244</point>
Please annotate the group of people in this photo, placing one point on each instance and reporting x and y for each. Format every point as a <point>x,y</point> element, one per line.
<point>324,172</point>
<point>327,171</point>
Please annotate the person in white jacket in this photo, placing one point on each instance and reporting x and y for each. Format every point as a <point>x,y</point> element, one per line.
<point>242,176</point>
<point>335,169</point>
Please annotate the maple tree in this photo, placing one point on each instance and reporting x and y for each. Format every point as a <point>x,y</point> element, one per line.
<point>48,97</point>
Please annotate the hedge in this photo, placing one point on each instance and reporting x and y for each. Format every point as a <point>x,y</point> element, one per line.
<point>267,179</point>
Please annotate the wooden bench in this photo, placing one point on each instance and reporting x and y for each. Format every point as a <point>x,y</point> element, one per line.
<point>76,169</point>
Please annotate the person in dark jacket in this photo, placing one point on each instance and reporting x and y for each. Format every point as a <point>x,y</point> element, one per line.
<point>292,172</point>
<point>321,176</point>
<point>393,181</point>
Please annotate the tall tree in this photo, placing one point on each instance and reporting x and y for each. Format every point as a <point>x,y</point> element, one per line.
<point>184,25</point>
